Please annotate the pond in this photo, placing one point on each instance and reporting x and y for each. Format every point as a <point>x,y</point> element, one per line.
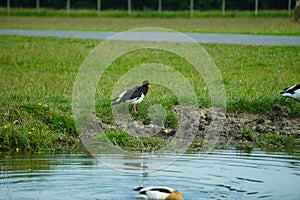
<point>219,174</point>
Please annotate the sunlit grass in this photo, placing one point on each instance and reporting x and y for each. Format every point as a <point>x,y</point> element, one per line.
<point>255,75</point>
<point>128,142</point>
<point>274,141</point>
<point>35,128</point>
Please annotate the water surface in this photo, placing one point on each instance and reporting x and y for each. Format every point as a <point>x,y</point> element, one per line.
<point>221,174</point>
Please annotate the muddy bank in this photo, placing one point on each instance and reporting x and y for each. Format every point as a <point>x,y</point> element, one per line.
<point>245,128</point>
<point>224,129</point>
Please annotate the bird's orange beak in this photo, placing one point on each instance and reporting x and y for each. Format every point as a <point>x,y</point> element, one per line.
<point>150,88</point>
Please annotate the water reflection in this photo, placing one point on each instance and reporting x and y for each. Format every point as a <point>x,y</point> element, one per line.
<point>221,174</point>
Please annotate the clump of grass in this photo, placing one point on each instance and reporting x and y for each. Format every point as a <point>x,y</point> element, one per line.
<point>37,129</point>
<point>276,141</point>
<point>248,139</point>
<point>55,121</point>
<point>129,142</point>
<point>245,138</point>
<point>196,145</point>
<point>245,134</point>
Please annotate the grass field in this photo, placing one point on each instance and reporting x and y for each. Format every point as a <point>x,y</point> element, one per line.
<point>38,74</point>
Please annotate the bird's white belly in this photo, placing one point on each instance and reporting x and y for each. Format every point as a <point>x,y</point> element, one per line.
<point>156,195</point>
<point>136,100</point>
<point>297,95</point>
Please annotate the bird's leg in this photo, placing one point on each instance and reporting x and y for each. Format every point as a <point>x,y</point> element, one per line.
<point>134,108</point>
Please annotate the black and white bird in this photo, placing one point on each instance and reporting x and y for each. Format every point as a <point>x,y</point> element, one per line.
<point>158,192</point>
<point>134,95</point>
<point>292,92</point>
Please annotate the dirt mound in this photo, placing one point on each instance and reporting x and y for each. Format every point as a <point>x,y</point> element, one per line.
<point>223,129</point>
<point>246,127</point>
<point>242,128</point>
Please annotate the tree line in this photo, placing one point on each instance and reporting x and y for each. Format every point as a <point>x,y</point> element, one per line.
<point>152,4</point>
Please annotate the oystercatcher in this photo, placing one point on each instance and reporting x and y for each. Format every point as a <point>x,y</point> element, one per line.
<point>134,95</point>
<point>158,192</point>
<point>292,92</point>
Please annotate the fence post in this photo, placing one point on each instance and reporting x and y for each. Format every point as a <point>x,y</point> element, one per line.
<point>256,7</point>
<point>68,7</point>
<point>191,8</point>
<point>8,7</point>
<point>289,7</point>
<point>159,7</point>
<point>38,6</point>
<point>223,7</point>
<point>129,7</point>
<point>98,6</point>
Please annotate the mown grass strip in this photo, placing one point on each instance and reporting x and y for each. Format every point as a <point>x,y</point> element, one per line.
<point>246,25</point>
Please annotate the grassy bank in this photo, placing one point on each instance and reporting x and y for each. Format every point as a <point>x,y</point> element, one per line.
<point>270,141</point>
<point>244,25</point>
<point>37,77</point>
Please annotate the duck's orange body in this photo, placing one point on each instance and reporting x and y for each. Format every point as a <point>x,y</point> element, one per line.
<point>175,195</point>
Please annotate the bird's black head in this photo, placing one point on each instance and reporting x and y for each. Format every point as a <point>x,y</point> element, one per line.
<point>146,82</point>
<point>146,86</point>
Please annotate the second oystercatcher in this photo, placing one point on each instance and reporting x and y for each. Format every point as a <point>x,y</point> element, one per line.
<point>292,92</point>
<point>134,95</point>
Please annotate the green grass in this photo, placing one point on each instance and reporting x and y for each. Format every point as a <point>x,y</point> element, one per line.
<point>245,134</point>
<point>244,25</point>
<point>37,77</point>
<point>131,143</point>
<point>38,72</point>
<point>267,141</point>
<point>276,142</point>
<point>254,76</point>
<point>36,128</point>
